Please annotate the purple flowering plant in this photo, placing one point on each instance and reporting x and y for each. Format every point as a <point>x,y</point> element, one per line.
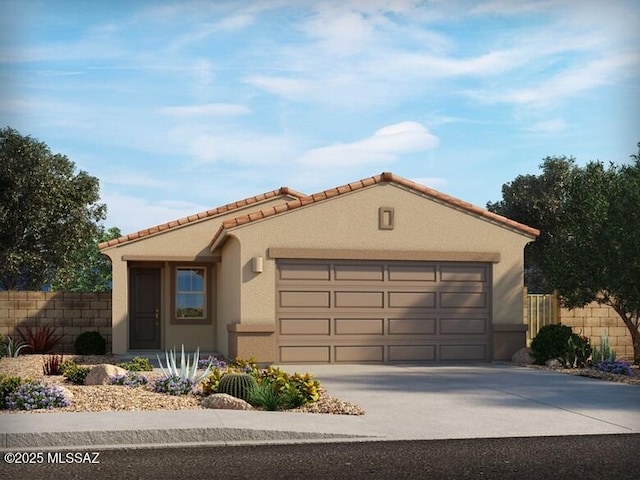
<point>615,366</point>
<point>173,385</point>
<point>129,379</point>
<point>35,396</point>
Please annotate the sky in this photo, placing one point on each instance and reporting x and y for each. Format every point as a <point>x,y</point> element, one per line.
<point>181,106</point>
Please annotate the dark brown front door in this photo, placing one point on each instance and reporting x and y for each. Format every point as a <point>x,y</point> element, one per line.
<point>144,308</point>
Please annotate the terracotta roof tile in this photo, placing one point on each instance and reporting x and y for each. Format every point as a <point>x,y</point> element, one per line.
<point>202,215</point>
<point>384,177</point>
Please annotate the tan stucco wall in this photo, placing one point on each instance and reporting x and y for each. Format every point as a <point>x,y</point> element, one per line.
<point>187,241</point>
<point>229,291</point>
<point>350,221</point>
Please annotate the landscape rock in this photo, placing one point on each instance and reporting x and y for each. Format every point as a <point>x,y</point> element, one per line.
<point>68,394</point>
<point>101,374</point>
<point>553,363</point>
<point>523,357</point>
<point>225,402</point>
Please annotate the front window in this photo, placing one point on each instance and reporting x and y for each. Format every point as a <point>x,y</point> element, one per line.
<point>190,292</point>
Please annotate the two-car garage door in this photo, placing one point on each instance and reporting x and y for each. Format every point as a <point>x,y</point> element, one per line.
<point>383,311</point>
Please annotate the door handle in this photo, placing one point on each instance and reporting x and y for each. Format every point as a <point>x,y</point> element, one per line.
<point>157,316</point>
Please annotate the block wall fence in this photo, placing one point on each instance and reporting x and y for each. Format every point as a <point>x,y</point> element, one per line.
<point>591,321</point>
<point>74,313</point>
<point>70,313</point>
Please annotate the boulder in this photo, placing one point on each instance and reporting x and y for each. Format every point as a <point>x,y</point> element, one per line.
<point>225,402</point>
<point>553,363</point>
<point>101,374</point>
<point>66,392</point>
<point>523,357</point>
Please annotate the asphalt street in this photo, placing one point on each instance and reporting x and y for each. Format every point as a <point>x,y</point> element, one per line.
<point>549,458</point>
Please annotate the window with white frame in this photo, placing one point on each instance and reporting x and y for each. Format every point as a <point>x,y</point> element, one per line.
<point>191,290</point>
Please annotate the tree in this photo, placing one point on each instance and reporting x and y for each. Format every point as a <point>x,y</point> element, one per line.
<point>537,200</point>
<point>88,270</point>
<point>47,211</point>
<point>591,251</point>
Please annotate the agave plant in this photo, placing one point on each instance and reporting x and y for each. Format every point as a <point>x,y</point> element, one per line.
<point>188,368</point>
<point>12,347</point>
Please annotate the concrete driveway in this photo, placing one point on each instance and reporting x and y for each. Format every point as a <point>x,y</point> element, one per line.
<point>401,402</point>
<point>432,402</point>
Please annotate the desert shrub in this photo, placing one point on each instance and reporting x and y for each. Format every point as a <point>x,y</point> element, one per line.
<point>173,385</point>
<point>76,374</point>
<point>35,396</point>
<point>130,379</point>
<point>137,364</point>
<point>266,397</point>
<point>8,385</point>
<point>578,351</point>
<point>300,389</point>
<point>619,367</point>
<point>10,347</point>
<point>52,365</point>
<point>39,339</point>
<point>90,343</point>
<point>237,385</point>
<point>551,342</point>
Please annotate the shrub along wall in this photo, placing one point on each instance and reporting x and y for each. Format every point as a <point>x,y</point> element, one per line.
<point>592,320</point>
<point>70,313</point>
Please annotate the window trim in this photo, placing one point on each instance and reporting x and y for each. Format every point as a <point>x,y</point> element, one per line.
<point>207,292</point>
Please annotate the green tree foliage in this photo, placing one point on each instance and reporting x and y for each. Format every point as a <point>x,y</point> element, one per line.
<point>591,250</point>
<point>48,212</point>
<point>537,200</point>
<point>88,270</point>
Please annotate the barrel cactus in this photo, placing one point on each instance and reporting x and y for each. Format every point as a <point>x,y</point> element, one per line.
<point>237,385</point>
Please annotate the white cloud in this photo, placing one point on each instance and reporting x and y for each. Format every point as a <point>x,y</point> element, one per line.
<point>555,125</point>
<point>384,146</point>
<point>130,213</point>
<point>570,82</point>
<point>209,109</point>
<point>279,85</point>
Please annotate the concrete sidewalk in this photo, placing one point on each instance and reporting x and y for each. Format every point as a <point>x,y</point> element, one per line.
<point>402,402</point>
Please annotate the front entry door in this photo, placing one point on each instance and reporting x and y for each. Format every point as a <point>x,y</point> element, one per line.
<point>144,308</point>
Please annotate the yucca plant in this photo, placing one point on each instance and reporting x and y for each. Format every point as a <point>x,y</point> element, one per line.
<point>188,368</point>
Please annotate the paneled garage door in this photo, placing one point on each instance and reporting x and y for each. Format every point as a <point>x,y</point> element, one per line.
<point>379,311</point>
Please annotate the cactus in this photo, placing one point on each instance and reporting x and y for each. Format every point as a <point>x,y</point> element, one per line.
<point>237,385</point>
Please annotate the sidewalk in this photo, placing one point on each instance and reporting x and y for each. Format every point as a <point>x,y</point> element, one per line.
<point>401,403</point>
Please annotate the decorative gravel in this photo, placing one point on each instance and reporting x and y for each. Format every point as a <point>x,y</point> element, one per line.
<point>103,398</point>
<point>593,373</point>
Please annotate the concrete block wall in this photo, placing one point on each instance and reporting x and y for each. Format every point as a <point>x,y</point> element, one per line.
<point>70,313</point>
<point>592,320</point>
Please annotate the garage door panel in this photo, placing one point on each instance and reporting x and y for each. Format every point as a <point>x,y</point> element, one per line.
<point>296,354</point>
<point>359,326</point>
<point>412,273</point>
<point>412,299</point>
<point>304,271</point>
<point>463,352</point>
<point>412,326</point>
<point>365,273</point>
<point>304,326</point>
<point>463,326</point>
<point>310,299</point>
<point>359,299</point>
<point>359,353</point>
<point>412,353</point>
<point>463,274</point>
<point>477,300</point>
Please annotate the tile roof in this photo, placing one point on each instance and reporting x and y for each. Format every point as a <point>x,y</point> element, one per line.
<point>385,177</point>
<point>201,216</point>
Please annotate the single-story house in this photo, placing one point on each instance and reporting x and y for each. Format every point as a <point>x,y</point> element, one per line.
<point>379,270</point>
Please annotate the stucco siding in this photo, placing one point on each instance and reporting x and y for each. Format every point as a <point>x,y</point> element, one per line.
<point>350,221</point>
<point>229,292</point>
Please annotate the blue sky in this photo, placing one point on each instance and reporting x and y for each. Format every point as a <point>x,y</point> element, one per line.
<point>180,106</point>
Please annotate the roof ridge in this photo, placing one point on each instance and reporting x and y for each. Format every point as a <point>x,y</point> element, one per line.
<point>384,177</point>
<point>202,215</point>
